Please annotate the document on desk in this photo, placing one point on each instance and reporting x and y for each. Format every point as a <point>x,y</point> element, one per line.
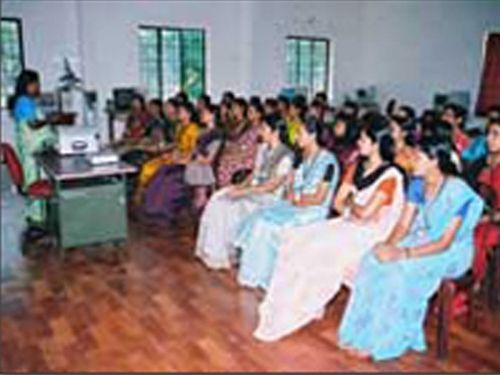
<point>103,158</point>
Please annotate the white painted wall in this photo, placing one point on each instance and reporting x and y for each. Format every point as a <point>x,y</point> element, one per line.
<point>413,49</point>
<point>408,49</point>
<point>48,32</point>
<point>338,21</point>
<point>101,37</point>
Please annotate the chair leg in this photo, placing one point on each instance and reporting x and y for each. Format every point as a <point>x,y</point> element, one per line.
<point>493,279</point>
<point>445,298</point>
<point>473,303</point>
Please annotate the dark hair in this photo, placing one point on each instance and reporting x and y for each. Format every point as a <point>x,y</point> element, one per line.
<point>312,125</point>
<point>182,97</point>
<point>284,100</point>
<point>427,116</point>
<point>300,102</point>
<point>317,103</point>
<point>494,109</point>
<point>25,78</point>
<point>426,120</point>
<point>255,99</point>
<point>188,107</point>
<point>205,99</point>
<point>441,130</point>
<point>276,123</point>
<point>409,127</point>
<point>157,102</point>
<point>228,95</point>
<point>259,108</point>
<point>440,150</point>
<point>351,131</point>
<point>458,111</point>
<point>409,112</point>
<point>321,96</point>
<point>390,107</point>
<point>492,122</point>
<point>242,103</point>
<point>212,108</point>
<point>271,102</point>
<point>173,102</point>
<point>376,127</point>
<point>350,106</point>
<point>139,98</point>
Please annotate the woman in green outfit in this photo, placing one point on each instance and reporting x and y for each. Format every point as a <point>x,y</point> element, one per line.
<point>33,133</point>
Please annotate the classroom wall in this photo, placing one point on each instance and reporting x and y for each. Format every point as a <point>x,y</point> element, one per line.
<point>413,49</point>
<point>101,39</point>
<point>48,32</point>
<point>337,21</point>
<point>408,49</point>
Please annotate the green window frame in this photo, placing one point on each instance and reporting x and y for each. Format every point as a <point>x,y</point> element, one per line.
<point>307,63</point>
<point>172,59</point>
<point>12,60</point>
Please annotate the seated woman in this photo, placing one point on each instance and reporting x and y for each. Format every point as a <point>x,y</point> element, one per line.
<point>343,142</point>
<point>443,130</point>
<point>404,134</point>
<point>199,172</point>
<point>153,136</point>
<point>484,175</point>
<point>157,127</point>
<point>310,190</point>
<point>226,208</point>
<point>180,153</point>
<point>297,114</point>
<point>169,189</point>
<point>314,260</point>
<point>135,126</point>
<point>456,115</point>
<point>432,240</point>
<point>241,143</point>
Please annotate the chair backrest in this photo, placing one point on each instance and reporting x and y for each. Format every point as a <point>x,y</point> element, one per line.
<point>14,166</point>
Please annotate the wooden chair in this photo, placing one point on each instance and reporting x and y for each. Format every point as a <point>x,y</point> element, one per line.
<point>492,280</point>
<point>448,290</point>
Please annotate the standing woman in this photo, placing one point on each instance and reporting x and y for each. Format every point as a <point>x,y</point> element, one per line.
<point>33,134</point>
<point>432,240</point>
<point>229,206</point>
<point>310,190</point>
<point>314,260</point>
<point>241,143</point>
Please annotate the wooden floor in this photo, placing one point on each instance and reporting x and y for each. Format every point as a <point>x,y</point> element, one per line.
<point>156,308</point>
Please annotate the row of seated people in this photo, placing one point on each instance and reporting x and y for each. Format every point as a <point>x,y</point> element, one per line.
<point>397,187</point>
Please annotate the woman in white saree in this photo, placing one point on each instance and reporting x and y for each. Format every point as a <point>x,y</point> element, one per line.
<point>229,206</point>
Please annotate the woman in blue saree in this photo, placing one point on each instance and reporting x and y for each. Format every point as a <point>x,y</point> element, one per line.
<point>311,187</point>
<point>432,240</point>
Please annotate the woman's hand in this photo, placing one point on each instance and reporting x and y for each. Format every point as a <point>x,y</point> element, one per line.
<point>349,201</point>
<point>237,192</point>
<point>388,253</point>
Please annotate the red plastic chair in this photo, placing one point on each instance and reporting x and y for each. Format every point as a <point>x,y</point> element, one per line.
<point>41,189</point>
